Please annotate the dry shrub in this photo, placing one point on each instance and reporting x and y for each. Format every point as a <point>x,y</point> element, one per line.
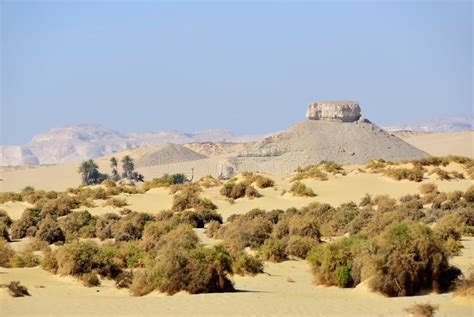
<point>90,279</point>
<point>115,202</point>
<point>422,310</point>
<point>15,289</point>
<point>299,189</point>
<point>209,181</point>
<point>299,247</point>
<point>244,232</point>
<point>332,263</point>
<point>27,224</point>
<point>264,182</point>
<point>212,228</point>
<point>442,174</point>
<point>247,265</point>
<point>414,174</point>
<point>469,194</point>
<point>465,286</point>
<point>187,199</point>
<point>79,224</point>
<point>124,280</point>
<point>24,259</point>
<point>9,196</point>
<point>5,218</point>
<point>310,171</point>
<point>410,259</point>
<point>6,253</point>
<point>273,250</point>
<point>4,232</point>
<point>62,205</point>
<point>384,203</point>
<point>49,231</point>
<point>183,237</point>
<point>131,226</point>
<point>428,188</point>
<point>251,193</point>
<point>153,231</point>
<point>49,262</point>
<point>304,226</point>
<point>366,201</point>
<point>36,245</point>
<point>105,224</point>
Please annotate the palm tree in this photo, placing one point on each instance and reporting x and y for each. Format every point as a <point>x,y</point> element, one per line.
<point>113,164</point>
<point>128,166</point>
<point>90,172</point>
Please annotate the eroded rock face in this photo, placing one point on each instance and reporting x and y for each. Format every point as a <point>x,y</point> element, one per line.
<point>344,111</point>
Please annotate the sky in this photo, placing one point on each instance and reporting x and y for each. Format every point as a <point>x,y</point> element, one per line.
<point>250,67</point>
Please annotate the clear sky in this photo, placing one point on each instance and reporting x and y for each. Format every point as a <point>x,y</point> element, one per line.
<point>248,67</point>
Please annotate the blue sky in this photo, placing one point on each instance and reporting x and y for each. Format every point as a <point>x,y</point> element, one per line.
<point>248,67</point>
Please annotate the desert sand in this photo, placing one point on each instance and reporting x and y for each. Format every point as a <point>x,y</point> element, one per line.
<point>442,143</point>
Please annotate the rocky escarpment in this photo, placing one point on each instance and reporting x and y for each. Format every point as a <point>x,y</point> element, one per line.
<point>343,111</point>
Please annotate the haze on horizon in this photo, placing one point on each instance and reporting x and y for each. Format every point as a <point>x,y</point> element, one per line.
<point>249,68</point>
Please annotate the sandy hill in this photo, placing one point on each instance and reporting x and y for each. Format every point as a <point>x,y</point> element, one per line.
<point>341,142</point>
<point>168,153</point>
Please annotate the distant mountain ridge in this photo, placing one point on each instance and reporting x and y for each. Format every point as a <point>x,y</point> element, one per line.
<point>72,143</point>
<point>451,124</point>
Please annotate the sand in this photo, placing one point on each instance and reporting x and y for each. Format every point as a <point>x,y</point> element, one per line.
<point>442,143</point>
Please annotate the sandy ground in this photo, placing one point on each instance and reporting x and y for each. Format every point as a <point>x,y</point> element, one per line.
<point>443,143</point>
<point>285,289</point>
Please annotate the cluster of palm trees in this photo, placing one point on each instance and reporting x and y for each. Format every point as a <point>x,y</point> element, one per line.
<point>91,175</point>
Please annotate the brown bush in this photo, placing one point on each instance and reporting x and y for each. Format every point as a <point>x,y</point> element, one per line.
<point>26,225</point>
<point>15,289</point>
<point>299,247</point>
<point>79,224</point>
<point>310,171</point>
<point>212,228</point>
<point>124,280</point>
<point>273,250</point>
<point>465,286</point>
<point>409,260</point>
<point>187,200</point>
<point>428,188</point>
<point>422,310</point>
<point>24,259</point>
<point>304,226</point>
<point>244,232</point>
<point>264,182</point>
<point>5,218</point>
<point>251,193</point>
<point>299,189</point>
<point>6,253</point>
<point>414,174</point>
<point>49,231</point>
<point>247,265</point>
<point>115,202</point>
<point>90,280</point>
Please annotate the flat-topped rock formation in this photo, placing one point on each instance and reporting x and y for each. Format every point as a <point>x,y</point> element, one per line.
<point>344,111</point>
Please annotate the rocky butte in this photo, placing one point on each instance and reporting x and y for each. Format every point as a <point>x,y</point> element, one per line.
<point>343,111</point>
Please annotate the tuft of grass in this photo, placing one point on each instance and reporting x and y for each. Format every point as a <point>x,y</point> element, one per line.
<point>422,310</point>
<point>299,189</point>
<point>115,202</point>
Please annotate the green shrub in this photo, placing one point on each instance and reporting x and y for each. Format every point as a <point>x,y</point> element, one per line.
<point>115,202</point>
<point>27,224</point>
<point>300,190</point>
<point>90,280</point>
<point>300,246</point>
<point>79,224</point>
<point>49,231</point>
<point>6,253</point>
<point>273,250</point>
<point>24,259</point>
<point>410,259</point>
<point>247,265</point>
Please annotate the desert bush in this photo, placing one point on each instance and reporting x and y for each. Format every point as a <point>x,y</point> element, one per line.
<point>377,165</point>
<point>428,188</point>
<point>304,226</point>
<point>105,224</point>
<point>310,171</point>
<point>442,174</point>
<point>124,280</point>
<point>465,286</point>
<point>27,224</point>
<point>90,279</point>
<point>414,174</point>
<point>366,201</point>
<point>209,181</point>
<point>4,232</point>
<point>384,203</point>
<point>209,215</point>
<point>193,188</point>
<point>182,237</point>
<point>49,231</point>
<point>6,253</point>
<point>247,265</point>
<point>76,258</point>
<point>36,245</point>
<point>49,262</point>
<point>131,226</point>
<point>153,231</point>
<point>299,247</point>
<point>455,224</point>
<point>332,263</point>
<point>300,190</point>
<point>78,224</point>
<point>9,196</point>
<point>5,218</point>
<point>62,205</point>
<point>244,232</point>
<point>15,289</point>
<point>422,310</point>
<point>188,200</point>
<point>165,181</point>
<point>145,281</point>
<point>273,250</point>
<point>251,193</point>
<point>264,182</point>
<point>469,194</point>
<point>115,202</point>
<point>410,259</point>
<point>212,227</point>
<point>24,259</point>
<point>192,218</point>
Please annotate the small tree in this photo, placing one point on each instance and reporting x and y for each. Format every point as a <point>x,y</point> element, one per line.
<point>115,174</point>
<point>128,167</point>
<point>90,173</point>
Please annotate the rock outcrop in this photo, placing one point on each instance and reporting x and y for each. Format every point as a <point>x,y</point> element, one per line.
<point>14,155</point>
<point>343,111</point>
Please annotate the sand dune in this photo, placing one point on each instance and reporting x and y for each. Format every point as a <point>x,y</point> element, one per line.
<point>442,143</point>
